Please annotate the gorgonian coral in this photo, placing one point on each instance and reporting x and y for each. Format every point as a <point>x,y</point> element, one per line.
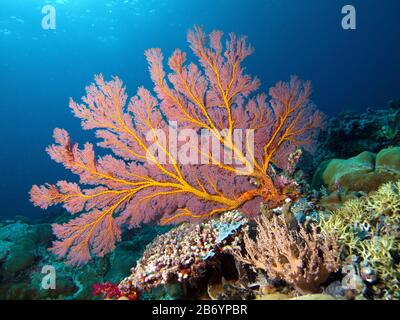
<point>149,181</point>
<point>302,259</point>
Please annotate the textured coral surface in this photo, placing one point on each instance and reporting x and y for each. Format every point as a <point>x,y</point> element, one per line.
<point>368,228</point>
<point>185,252</point>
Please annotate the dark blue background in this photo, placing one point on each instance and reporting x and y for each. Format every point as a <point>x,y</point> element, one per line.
<point>40,70</point>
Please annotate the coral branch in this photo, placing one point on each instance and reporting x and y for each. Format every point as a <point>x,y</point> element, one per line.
<point>302,259</point>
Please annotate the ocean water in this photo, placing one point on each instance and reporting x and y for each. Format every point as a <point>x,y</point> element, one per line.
<point>40,69</point>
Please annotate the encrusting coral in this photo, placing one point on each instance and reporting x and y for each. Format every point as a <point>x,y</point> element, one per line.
<point>302,259</point>
<point>368,228</point>
<point>141,185</point>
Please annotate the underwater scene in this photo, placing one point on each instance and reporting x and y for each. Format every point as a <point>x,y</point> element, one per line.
<point>200,150</point>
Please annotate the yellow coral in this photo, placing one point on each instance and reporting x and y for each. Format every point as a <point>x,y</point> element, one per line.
<point>368,228</point>
<point>387,198</point>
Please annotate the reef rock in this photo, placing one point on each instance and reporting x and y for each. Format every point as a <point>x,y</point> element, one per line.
<point>351,133</point>
<point>24,253</point>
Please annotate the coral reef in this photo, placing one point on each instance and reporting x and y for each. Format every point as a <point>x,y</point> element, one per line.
<point>23,254</point>
<point>250,222</point>
<point>110,291</point>
<point>303,211</point>
<point>367,229</point>
<point>371,131</point>
<point>184,253</point>
<point>365,172</point>
<point>302,259</point>
<point>19,244</point>
<point>337,181</point>
<point>149,183</point>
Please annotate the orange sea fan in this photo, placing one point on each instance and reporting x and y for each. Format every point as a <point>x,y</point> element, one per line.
<point>215,96</point>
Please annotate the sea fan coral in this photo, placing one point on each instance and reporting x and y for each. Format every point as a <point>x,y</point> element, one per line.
<point>304,260</point>
<point>149,181</point>
<point>185,252</point>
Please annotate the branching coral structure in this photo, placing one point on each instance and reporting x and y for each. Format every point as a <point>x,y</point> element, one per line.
<point>302,259</point>
<point>147,180</point>
<point>368,228</point>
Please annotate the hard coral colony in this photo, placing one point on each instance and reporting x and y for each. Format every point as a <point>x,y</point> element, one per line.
<point>185,253</point>
<point>136,188</point>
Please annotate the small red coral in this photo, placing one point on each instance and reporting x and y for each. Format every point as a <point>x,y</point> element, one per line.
<point>111,291</point>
